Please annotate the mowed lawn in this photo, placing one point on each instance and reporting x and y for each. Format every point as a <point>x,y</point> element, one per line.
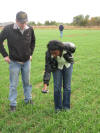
<point>84,116</point>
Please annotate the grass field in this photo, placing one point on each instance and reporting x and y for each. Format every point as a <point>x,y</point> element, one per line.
<point>84,116</point>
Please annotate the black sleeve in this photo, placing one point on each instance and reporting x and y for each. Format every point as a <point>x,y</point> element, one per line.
<point>32,46</point>
<point>69,47</point>
<point>3,36</point>
<point>47,73</point>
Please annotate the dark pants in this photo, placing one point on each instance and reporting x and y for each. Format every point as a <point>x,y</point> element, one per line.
<point>62,75</point>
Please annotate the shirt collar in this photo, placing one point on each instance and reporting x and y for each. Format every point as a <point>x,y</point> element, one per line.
<point>17,27</point>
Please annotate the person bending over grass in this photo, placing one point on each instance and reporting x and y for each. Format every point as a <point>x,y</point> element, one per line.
<point>59,61</point>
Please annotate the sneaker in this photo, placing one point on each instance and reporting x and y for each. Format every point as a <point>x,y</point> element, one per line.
<point>12,108</point>
<point>30,102</point>
<point>66,109</point>
<point>58,110</point>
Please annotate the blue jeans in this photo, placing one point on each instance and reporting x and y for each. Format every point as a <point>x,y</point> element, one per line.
<point>61,34</point>
<point>15,68</point>
<point>64,76</point>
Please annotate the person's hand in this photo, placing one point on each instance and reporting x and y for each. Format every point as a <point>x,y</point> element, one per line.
<point>30,58</point>
<point>7,59</point>
<point>44,89</point>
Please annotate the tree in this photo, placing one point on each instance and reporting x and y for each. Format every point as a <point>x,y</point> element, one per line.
<point>50,23</point>
<point>53,23</point>
<point>94,21</point>
<point>47,23</point>
<point>77,20</point>
<point>32,23</point>
<point>86,20</point>
<point>39,24</point>
<point>80,20</point>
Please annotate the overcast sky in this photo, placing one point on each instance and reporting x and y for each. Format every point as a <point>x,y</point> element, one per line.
<point>42,10</point>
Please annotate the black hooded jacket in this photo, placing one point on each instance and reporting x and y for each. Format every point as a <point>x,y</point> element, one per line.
<point>51,64</point>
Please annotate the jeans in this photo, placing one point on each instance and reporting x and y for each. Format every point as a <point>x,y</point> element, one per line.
<point>61,34</point>
<point>15,68</point>
<point>58,76</point>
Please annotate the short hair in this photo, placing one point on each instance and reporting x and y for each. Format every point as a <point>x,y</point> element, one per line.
<point>55,45</point>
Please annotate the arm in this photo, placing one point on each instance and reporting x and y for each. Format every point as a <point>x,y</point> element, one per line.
<point>68,46</point>
<point>47,73</point>
<point>70,49</point>
<point>3,36</point>
<point>32,46</point>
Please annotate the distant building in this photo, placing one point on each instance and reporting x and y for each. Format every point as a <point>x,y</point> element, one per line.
<point>5,23</point>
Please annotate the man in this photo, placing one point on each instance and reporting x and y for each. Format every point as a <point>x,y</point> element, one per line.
<point>21,43</point>
<point>61,28</point>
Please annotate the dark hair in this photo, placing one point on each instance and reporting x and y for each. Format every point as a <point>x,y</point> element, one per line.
<point>55,45</point>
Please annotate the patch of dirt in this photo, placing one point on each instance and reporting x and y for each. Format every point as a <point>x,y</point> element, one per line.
<point>39,85</point>
<point>75,35</point>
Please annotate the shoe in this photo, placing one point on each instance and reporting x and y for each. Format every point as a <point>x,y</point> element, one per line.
<point>66,109</point>
<point>30,102</point>
<point>58,110</point>
<point>12,108</point>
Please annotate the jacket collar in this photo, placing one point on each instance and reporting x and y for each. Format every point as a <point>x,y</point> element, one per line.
<point>17,27</point>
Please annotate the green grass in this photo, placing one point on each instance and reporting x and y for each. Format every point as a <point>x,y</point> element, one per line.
<point>84,116</point>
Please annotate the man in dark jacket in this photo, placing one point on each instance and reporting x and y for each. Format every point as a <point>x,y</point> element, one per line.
<point>21,43</point>
<point>61,28</point>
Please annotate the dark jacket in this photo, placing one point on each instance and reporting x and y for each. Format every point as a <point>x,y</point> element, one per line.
<point>20,46</point>
<point>61,27</point>
<point>51,64</point>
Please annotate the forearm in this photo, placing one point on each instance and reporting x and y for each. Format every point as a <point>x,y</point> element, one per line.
<point>32,46</point>
<point>3,51</point>
<point>46,78</point>
<point>3,36</point>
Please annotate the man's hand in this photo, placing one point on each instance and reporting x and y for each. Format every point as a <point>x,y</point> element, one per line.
<point>7,59</point>
<point>30,58</point>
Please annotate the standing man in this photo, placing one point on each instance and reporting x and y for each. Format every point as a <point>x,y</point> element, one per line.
<point>61,28</point>
<point>21,43</point>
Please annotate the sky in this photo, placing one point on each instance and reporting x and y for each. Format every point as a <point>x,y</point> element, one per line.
<point>52,10</point>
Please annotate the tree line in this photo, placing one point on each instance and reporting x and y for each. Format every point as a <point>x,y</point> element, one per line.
<point>79,20</point>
